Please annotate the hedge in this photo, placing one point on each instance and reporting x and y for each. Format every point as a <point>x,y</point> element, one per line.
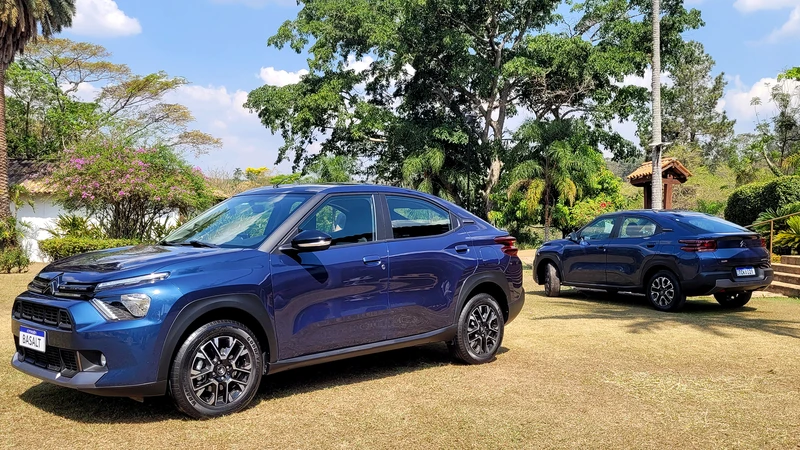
<point>747,202</point>
<point>60,248</point>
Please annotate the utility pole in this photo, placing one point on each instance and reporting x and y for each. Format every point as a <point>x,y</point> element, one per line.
<point>657,185</point>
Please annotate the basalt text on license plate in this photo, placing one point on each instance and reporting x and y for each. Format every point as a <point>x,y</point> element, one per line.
<point>745,271</point>
<point>32,339</point>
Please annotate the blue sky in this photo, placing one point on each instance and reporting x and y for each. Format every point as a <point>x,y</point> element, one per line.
<point>220,46</point>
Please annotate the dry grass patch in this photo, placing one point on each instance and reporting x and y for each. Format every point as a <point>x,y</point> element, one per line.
<point>574,372</point>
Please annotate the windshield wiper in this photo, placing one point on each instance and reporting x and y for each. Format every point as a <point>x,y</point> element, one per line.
<point>199,244</point>
<point>168,243</point>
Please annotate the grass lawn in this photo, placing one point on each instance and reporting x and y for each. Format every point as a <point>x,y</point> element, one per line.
<point>573,372</point>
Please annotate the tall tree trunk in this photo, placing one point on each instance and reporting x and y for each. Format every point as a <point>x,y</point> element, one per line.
<point>493,177</point>
<point>5,201</point>
<point>657,185</point>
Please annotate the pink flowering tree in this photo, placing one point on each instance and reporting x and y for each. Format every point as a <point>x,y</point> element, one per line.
<point>129,191</point>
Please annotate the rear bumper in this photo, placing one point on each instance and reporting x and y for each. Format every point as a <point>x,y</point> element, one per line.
<point>713,283</point>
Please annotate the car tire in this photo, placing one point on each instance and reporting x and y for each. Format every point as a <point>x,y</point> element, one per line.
<point>480,331</point>
<point>217,370</point>
<point>552,282</point>
<point>733,299</point>
<point>664,292</point>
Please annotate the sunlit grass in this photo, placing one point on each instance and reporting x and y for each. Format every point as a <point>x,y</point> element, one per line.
<point>575,371</point>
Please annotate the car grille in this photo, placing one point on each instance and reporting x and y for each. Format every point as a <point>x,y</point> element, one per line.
<point>57,288</point>
<point>44,314</point>
<point>54,359</point>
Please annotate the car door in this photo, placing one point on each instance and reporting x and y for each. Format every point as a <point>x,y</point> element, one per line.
<point>333,298</point>
<point>626,253</point>
<point>427,259</point>
<point>585,260</point>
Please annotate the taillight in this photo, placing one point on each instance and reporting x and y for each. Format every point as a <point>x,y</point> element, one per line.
<point>508,243</point>
<point>698,245</point>
<point>763,243</point>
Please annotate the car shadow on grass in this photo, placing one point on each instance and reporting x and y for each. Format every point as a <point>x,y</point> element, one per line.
<point>88,408</point>
<point>640,317</point>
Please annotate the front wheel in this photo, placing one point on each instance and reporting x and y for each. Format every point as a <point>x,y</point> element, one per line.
<point>733,299</point>
<point>217,370</point>
<point>552,282</point>
<point>480,330</point>
<point>664,292</point>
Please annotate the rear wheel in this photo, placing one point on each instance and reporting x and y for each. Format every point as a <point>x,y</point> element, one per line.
<point>217,370</point>
<point>480,330</point>
<point>664,292</point>
<point>552,282</point>
<point>733,299</point>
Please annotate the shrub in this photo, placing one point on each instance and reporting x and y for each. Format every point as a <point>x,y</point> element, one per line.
<point>790,238</point>
<point>73,225</point>
<point>60,248</point>
<point>128,190</point>
<point>14,258</point>
<point>747,202</point>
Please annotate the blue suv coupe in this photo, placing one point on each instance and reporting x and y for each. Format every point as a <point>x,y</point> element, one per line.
<point>667,255</point>
<point>270,280</point>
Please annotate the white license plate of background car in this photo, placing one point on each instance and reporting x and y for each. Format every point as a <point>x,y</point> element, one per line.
<point>32,339</point>
<point>745,271</point>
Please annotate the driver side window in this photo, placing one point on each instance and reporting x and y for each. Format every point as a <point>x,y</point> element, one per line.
<point>598,230</point>
<point>348,219</point>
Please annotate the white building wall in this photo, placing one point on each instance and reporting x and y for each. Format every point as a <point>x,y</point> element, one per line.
<point>41,216</point>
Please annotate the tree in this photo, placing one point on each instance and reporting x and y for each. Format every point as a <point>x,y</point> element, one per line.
<point>777,139</point>
<point>127,106</point>
<point>332,169</point>
<point>127,190</point>
<point>557,164</point>
<point>390,80</point>
<point>657,186</point>
<point>690,115</point>
<point>20,22</point>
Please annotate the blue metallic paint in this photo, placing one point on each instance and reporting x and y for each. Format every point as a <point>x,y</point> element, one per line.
<point>308,307</point>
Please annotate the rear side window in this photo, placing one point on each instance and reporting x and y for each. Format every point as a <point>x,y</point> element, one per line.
<point>413,217</point>
<point>637,227</point>
<point>348,219</point>
<point>711,224</point>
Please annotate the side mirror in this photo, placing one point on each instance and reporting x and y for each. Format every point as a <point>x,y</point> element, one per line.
<point>573,237</point>
<point>311,241</point>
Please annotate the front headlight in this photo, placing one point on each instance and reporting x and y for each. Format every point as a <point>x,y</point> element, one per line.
<point>127,307</point>
<point>144,279</point>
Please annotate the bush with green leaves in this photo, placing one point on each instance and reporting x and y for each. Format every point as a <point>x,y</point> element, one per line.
<point>790,237</point>
<point>747,202</point>
<point>60,248</point>
<point>14,259</point>
<point>129,191</point>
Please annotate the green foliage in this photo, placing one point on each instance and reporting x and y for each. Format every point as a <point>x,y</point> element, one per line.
<point>126,190</point>
<point>714,208</point>
<point>443,82</point>
<point>747,202</point>
<point>62,247</point>
<point>332,169</point>
<point>14,259</point>
<point>77,226</point>
<point>790,237</point>
<point>791,74</point>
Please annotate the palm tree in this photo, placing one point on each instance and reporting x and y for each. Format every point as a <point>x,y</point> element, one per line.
<point>20,22</point>
<point>558,166</point>
<point>657,184</point>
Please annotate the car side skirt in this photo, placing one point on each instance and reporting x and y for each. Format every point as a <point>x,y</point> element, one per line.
<point>443,334</point>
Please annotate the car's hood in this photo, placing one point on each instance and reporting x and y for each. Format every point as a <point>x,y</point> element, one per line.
<point>127,261</point>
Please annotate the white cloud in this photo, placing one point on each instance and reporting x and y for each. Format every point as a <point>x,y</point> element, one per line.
<point>761,5</point>
<point>103,18</point>
<point>737,101</point>
<point>645,81</point>
<point>789,29</point>
<point>280,78</point>
<point>359,65</point>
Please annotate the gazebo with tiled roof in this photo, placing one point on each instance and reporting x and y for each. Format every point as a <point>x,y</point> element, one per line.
<point>672,173</point>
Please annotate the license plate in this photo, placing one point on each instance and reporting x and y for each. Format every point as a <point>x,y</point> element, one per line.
<point>32,339</point>
<point>745,271</point>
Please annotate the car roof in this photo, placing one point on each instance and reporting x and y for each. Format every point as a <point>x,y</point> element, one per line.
<point>654,213</point>
<point>331,188</point>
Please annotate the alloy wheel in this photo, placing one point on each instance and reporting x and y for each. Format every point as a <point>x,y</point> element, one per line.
<point>221,370</point>
<point>483,330</point>
<point>662,292</point>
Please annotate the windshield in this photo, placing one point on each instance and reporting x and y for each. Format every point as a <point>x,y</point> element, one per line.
<point>240,222</point>
<point>711,224</point>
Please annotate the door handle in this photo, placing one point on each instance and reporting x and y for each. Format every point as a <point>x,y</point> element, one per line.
<point>371,260</point>
<point>651,245</point>
<point>601,247</point>
<point>462,248</point>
